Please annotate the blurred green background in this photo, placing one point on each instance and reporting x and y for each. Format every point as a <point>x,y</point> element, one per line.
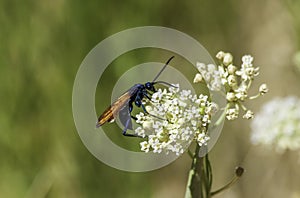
<point>42,44</point>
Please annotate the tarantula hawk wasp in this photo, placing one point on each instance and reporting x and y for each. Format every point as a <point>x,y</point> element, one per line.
<point>133,95</point>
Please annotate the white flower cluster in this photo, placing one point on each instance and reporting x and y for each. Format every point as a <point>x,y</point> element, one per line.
<point>236,81</point>
<point>175,119</point>
<point>278,124</point>
<point>210,74</point>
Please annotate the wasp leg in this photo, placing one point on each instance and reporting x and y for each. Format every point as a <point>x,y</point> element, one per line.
<point>133,117</point>
<point>128,134</point>
<point>130,110</point>
<point>146,95</point>
<point>144,109</point>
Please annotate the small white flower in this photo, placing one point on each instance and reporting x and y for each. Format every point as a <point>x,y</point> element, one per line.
<point>140,132</point>
<point>157,96</point>
<point>223,74</point>
<point>210,75</point>
<point>247,60</point>
<point>241,95</point>
<point>232,113</point>
<point>248,115</point>
<point>145,146</point>
<point>211,109</point>
<point>249,71</point>
<point>211,68</point>
<point>184,94</point>
<point>263,89</point>
<point>201,67</point>
<point>140,117</point>
<point>202,139</point>
<point>230,96</point>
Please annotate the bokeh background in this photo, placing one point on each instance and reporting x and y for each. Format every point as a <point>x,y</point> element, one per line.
<point>42,44</point>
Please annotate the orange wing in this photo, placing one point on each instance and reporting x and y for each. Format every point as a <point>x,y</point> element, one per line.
<point>108,114</point>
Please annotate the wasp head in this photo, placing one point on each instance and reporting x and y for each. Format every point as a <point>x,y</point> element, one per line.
<point>150,86</point>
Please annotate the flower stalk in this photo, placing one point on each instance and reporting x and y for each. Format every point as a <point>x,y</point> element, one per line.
<point>200,177</point>
<point>238,173</point>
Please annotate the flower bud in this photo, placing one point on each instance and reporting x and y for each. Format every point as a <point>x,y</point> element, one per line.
<point>147,125</point>
<point>198,78</point>
<point>263,89</point>
<point>227,60</point>
<point>220,55</point>
<point>231,69</point>
<point>231,80</point>
<point>148,108</point>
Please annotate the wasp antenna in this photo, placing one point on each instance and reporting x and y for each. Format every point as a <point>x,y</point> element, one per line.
<point>166,83</point>
<point>163,68</point>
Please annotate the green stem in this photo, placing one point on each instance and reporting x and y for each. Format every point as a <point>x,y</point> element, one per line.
<point>190,154</point>
<point>221,118</point>
<point>200,177</point>
<point>238,173</point>
<point>208,177</point>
